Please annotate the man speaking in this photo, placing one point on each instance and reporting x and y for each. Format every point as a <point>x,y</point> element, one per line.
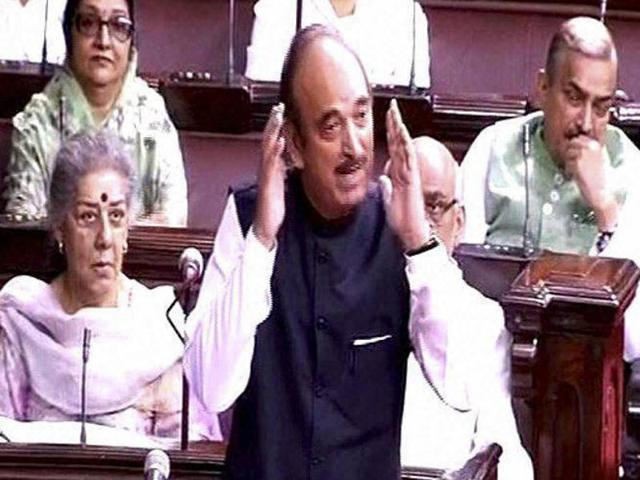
<point>307,300</point>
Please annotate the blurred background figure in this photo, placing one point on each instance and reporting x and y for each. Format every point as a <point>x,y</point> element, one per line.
<point>98,89</point>
<point>384,33</point>
<point>134,374</point>
<point>479,346</point>
<point>22,27</point>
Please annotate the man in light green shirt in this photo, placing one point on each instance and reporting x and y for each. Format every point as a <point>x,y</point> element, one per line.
<point>579,167</point>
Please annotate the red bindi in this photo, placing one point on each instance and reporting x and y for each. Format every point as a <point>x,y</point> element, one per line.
<point>104,197</point>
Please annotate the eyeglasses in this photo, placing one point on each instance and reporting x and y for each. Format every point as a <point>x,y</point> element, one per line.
<point>435,211</point>
<point>120,27</point>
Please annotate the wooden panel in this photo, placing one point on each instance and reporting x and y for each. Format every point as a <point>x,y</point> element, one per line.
<point>566,316</point>
<point>213,162</point>
<point>152,258</point>
<point>191,35</point>
<point>34,462</point>
<point>18,82</point>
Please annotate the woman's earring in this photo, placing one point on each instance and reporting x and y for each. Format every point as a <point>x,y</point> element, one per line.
<point>61,247</point>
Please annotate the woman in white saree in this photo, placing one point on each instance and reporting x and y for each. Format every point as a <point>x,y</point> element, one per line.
<point>134,374</point>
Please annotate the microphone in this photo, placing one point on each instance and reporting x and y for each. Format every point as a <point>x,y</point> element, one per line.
<point>412,74</point>
<point>190,265</point>
<point>156,465</point>
<point>527,247</point>
<point>43,63</point>
<point>86,341</point>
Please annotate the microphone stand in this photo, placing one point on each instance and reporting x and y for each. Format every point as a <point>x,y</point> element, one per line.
<point>231,73</point>
<point>184,427</point>
<point>412,76</point>
<point>86,340</point>
<point>186,298</point>
<point>44,62</point>
<point>188,302</point>
<point>527,247</point>
<point>298,15</point>
<point>603,10</point>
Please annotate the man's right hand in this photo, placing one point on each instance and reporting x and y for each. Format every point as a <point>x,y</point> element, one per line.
<point>271,176</point>
<point>586,165</point>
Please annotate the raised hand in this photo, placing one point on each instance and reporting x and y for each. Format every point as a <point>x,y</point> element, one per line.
<point>270,208</point>
<point>404,203</point>
<point>586,164</point>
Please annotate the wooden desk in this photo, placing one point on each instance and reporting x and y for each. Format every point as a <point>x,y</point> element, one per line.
<point>206,461</point>
<point>566,316</point>
<point>72,462</point>
<point>565,313</point>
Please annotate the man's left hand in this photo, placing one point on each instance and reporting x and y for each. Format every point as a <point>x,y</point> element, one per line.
<point>404,205</point>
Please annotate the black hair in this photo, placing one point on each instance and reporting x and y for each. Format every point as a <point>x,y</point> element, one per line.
<point>303,39</point>
<point>70,15</point>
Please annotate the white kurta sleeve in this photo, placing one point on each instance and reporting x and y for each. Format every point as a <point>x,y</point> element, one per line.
<point>235,297</point>
<point>463,349</point>
<point>474,180</point>
<point>624,244</point>
<point>489,383</point>
<point>434,282</point>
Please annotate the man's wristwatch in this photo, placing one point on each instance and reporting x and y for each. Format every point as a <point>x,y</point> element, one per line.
<point>430,244</point>
<point>603,239</point>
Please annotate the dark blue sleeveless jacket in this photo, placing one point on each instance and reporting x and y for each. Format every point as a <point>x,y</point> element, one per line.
<point>324,399</point>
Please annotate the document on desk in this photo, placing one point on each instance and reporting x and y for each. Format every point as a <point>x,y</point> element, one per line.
<point>68,433</point>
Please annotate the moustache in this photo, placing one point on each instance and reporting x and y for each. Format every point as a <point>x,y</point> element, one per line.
<point>577,132</point>
<point>351,165</point>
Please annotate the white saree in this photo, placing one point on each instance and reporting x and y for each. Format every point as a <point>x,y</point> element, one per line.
<point>134,372</point>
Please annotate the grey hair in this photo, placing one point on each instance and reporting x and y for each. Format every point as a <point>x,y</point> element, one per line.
<point>583,35</point>
<point>81,154</point>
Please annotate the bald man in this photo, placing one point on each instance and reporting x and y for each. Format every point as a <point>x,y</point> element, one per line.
<point>574,183</point>
<point>434,434</point>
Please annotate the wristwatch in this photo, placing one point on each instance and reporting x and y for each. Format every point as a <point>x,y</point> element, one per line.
<point>430,244</point>
<point>603,239</point>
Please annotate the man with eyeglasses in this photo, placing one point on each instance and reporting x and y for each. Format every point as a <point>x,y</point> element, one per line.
<point>98,89</point>
<point>22,29</point>
<point>433,433</point>
<point>555,179</point>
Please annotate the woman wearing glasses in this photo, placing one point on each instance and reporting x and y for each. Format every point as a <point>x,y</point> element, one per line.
<point>97,89</point>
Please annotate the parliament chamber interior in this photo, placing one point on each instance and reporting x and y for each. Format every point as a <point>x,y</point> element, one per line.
<point>565,312</point>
